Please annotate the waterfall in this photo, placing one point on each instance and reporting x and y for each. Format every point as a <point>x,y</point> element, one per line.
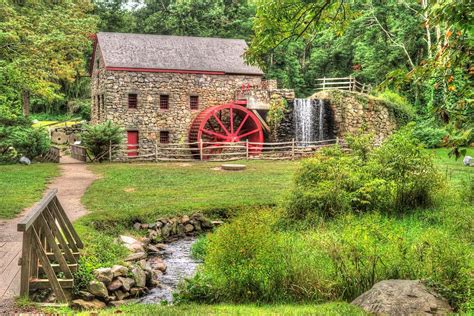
<point>321,119</point>
<point>309,120</point>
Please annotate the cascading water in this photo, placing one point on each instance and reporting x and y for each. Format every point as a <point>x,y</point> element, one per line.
<point>309,118</point>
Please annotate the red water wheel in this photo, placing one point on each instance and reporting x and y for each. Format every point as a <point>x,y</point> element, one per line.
<point>221,125</point>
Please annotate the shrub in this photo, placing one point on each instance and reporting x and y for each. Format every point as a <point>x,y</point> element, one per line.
<point>199,248</point>
<point>396,177</point>
<point>398,102</point>
<point>429,134</point>
<point>405,162</point>
<point>248,261</point>
<point>17,141</point>
<point>98,139</point>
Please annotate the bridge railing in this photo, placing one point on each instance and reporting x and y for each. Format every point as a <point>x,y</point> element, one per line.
<point>50,249</point>
<point>346,83</point>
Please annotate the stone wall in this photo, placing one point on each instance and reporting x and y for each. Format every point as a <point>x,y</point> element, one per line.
<point>352,111</point>
<point>348,112</point>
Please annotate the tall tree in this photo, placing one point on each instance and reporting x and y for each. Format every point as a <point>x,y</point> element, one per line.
<point>41,43</point>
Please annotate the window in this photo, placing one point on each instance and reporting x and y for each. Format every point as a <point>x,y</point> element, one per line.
<point>164,101</point>
<point>132,100</point>
<point>164,137</point>
<point>194,102</point>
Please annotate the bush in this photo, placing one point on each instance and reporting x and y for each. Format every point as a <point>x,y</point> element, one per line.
<point>429,134</point>
<point>99,138</point>
<point>17,141</point>
<point>396,177</point>
<point>248,261</point>
<point>398,102</point>
<point>199,248</point>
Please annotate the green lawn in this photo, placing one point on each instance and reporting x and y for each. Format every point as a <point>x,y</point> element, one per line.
<point>128,191</point>
<point>155,309</point>
<point>21,186</point>
<point>452,168</point>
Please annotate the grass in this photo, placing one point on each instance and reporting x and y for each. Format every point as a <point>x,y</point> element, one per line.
<point>21,186</point>
<point>454,169</point>
<point>147,191</point>
<point>337,308</point>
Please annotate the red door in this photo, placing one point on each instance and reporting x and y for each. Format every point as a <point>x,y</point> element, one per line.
<point>132,141</point>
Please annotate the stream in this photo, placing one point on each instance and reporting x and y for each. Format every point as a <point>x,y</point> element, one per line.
<point>180,265</point>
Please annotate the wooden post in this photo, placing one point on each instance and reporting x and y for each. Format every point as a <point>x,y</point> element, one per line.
<point>247,149</point>
<point>200,149</point>
<point>26,264</point>
<point>293,149</point>
<point>350,83</point>
<point>156,151</point>
<point>363,88</point>
<point>337,140</point>
<point>110,151</point>
<point>324,83</point>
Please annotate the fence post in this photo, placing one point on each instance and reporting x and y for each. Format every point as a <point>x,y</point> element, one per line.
<point>350,83</point>
<point>110,151</point>
<point>293,149</point>
<point>337,140</point>
<point>324,83</point>
<point>247,149</point>
<point>200,149</point>
<point>156,151</point>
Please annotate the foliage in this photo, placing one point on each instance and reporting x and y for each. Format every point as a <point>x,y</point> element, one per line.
<point>248,260</point>
<point>397,177</point>
<point>100,139</point>
<point>430,134</point>
<point>93,256</point>
<point>43,45</point>
<point>21,186</point>
<point>276,114</point>
<point>199,248</point>
<point>398,100</point>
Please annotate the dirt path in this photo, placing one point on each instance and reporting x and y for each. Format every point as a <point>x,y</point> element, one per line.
<point>71,185</point>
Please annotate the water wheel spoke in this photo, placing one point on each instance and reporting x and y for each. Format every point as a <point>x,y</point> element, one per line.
<point>220,123</point>
<point>242,123</point>
<point>249,133</point>
<point>231,119</point>
<point>211,133</point>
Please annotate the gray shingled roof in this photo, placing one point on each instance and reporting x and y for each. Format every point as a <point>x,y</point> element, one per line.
<point>174,52</point>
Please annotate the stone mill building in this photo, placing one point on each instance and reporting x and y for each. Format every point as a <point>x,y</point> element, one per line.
<point>155,86</point>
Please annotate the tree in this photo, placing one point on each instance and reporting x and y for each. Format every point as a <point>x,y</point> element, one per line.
<point>41,44</point>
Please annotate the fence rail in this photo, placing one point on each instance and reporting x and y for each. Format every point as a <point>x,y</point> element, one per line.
<point>50,249</point>
<point>346,83</point>
<point>79,152</point>
<point>216,151</point>
<point>53,155</point>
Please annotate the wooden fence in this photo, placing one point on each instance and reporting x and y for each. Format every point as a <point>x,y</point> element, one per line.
<point>50,250</point>
<point>347,83</point>
<point>218,151</point>
<point>79,152</point>
<point>53,155</point>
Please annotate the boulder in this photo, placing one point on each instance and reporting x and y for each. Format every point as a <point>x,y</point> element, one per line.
<point>188,228</point>
<point>166,230</point>
<point>98,289</point>
<point>402,297</point>
<point>467,160</point>
<point>25,161</point>
<point>137,226</point>
<point>86,296</point>
<point>152,249</point>
<point>185,219</point>
<point>131,244</point>
<point>118,270</point>
<point>104,275</point>
<point>139,276</point>
<point>127,283</point>
<point>115,285</point>
<point>137,291</point>
<point>158,264</point>
<point>87,305</point>
<point>136,256</point>
<point>120,295</point>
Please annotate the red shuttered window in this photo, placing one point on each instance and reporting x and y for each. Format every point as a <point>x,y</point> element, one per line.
<point>194,102</point>
<point>164,102</point>
<point>164,137</point>
<point>132,100</point>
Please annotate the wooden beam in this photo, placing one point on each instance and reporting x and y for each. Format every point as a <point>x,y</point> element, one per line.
<point>45,284</point>
<point>30,218</point>
<point>260,118</point>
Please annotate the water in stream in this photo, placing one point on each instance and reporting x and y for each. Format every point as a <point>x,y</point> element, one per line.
<point>309,117</point>
<point>180,265</point>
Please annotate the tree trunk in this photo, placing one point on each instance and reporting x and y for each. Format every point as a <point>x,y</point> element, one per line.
<point>26,102</point>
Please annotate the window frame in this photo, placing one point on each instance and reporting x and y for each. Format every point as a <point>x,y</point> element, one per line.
<point>164,135</point>
<point>129,98</point>
<point>194,105</point>
<point>162,98</point>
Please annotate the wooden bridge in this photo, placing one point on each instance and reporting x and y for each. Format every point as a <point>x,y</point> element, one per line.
<point>50,249</point>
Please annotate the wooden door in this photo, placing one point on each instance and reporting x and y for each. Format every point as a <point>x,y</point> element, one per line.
<point>132,141</point>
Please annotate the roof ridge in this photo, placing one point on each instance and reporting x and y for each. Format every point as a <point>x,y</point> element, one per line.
<point>168,35</point>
